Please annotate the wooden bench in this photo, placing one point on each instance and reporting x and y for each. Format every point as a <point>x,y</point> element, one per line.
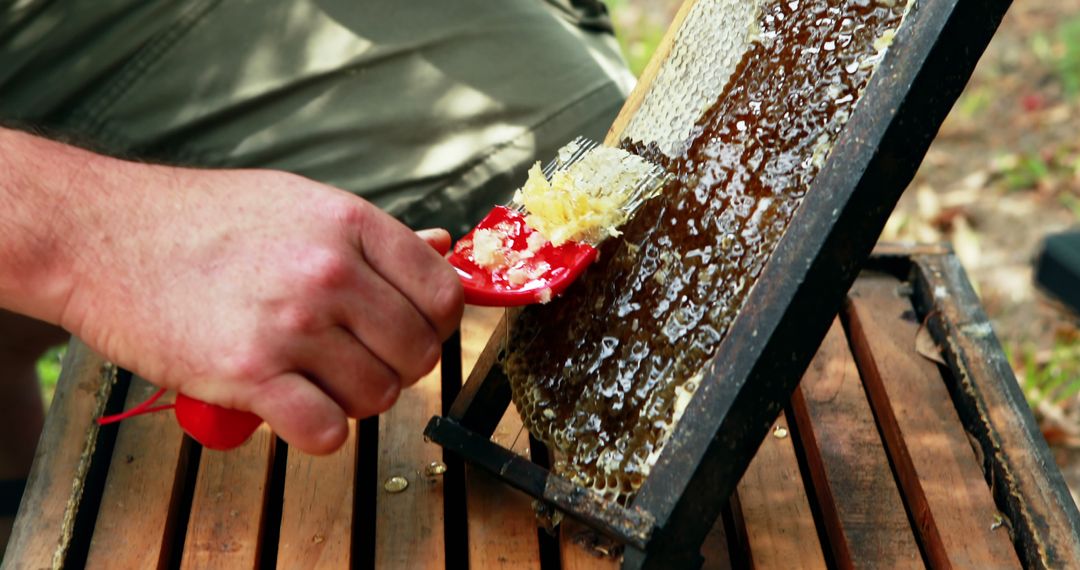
<point>907,444</point>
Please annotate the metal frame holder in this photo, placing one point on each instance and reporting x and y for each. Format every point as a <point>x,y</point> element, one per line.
<point>785,318</point>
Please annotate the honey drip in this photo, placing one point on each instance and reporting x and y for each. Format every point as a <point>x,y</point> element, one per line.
<point>600,374</point>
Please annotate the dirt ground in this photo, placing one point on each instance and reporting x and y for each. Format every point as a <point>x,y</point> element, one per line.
<point>1003,172</point>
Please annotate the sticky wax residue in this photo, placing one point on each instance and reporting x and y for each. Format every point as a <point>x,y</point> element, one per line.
<point>587,201</point>
<point>602,374</point>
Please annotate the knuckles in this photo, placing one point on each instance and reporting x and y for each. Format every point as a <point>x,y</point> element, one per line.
<point>299,319</point>
<point>327,269</point>
<point>244,363</point>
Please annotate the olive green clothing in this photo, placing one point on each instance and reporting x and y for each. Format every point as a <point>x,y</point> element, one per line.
<point>432,109</point>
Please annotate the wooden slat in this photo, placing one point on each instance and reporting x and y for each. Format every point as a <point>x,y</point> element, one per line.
<point>862,510</point>
<point>225,525</point>
<point>715,548</point>
<point>317,509</point>
<point>779,526</point>
<point>502,525</point>
<point>409,524</point>
<point>136,523</point>
<point>941,480</point>
<point>43,531</point>
<point>477,325</point>
<point>477,366</point>
<point>1026,481</point>
<point>575,552</point>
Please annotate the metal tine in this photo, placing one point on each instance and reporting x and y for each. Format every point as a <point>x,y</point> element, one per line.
<point>584,145</point>
<point>656,178</point>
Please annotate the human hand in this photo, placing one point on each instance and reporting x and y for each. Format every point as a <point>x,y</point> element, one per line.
<point>265,292</point>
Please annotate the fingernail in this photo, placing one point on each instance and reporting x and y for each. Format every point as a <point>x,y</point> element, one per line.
<point>390,396</point>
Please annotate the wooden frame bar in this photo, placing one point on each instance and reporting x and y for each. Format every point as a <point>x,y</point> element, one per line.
<point>1035,498</point>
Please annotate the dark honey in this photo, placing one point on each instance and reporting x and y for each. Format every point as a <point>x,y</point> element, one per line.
<point>597,373</point>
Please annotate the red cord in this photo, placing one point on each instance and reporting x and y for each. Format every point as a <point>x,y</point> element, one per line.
<point>143,408</point>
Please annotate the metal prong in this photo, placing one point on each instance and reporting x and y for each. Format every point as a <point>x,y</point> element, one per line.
<point>581,146</point>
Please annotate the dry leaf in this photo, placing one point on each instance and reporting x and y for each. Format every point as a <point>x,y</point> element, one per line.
<point>926,347</point>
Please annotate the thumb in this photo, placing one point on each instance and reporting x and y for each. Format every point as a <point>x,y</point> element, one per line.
<point>437,238</point>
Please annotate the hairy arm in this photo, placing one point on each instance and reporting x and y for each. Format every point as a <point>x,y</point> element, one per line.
<point>38,190</point>
<point>252,289</point>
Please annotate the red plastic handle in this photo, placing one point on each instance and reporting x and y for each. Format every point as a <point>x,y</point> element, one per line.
<point>213,426</point>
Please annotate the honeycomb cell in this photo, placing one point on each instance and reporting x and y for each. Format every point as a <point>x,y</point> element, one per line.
<point>743,116</point>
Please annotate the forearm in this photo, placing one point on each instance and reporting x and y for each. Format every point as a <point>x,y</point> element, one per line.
<point>55,204</point>
<point>256,290</point>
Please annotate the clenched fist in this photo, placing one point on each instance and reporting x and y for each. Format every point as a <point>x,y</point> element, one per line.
<point>254,290</point>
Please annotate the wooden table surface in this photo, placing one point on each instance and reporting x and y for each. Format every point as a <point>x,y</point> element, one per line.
<point>870,466</point>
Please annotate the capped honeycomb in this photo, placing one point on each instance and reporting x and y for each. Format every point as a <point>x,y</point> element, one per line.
<point>602,374</point>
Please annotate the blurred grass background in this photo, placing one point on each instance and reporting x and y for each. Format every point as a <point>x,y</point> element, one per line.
<point>48,369</point>
<point>639,26</point>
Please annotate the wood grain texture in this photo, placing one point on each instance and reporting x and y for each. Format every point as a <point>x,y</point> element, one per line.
<point>43,531</point>
<point>226,520</point>
<point>409,524</point>
<point>137,520</point>
<point>478,324</point>
<point>317,509</point>
<point>715,548</point>
<point>1025,479</point>
<point>477,366</point>
<point>502,524</point>
<point>779,526</point>
<point>862,510</point>
<point>581,549</point>
<point>941,479</point>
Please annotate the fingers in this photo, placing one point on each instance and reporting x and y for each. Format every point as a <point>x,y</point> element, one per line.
<point>351,375</point>
<point>437,238</point>
<point>392,327</point>
<point>301,414</point>
<point>417,270</point>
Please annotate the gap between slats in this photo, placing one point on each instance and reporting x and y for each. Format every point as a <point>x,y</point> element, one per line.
<point>141,520</point>
<point>455,508</point>
<point>365,495</point>
<point>94,481</point>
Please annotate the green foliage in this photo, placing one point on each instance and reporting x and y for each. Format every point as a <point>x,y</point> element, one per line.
<point>1024,171</point>
<point>639,28</point>
<point>48,369</point>
<point>1055,168</point>
<point>1052,378</point>
<point>974,101</point>
<point>1072,202</point>
<point>1067,56</point>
